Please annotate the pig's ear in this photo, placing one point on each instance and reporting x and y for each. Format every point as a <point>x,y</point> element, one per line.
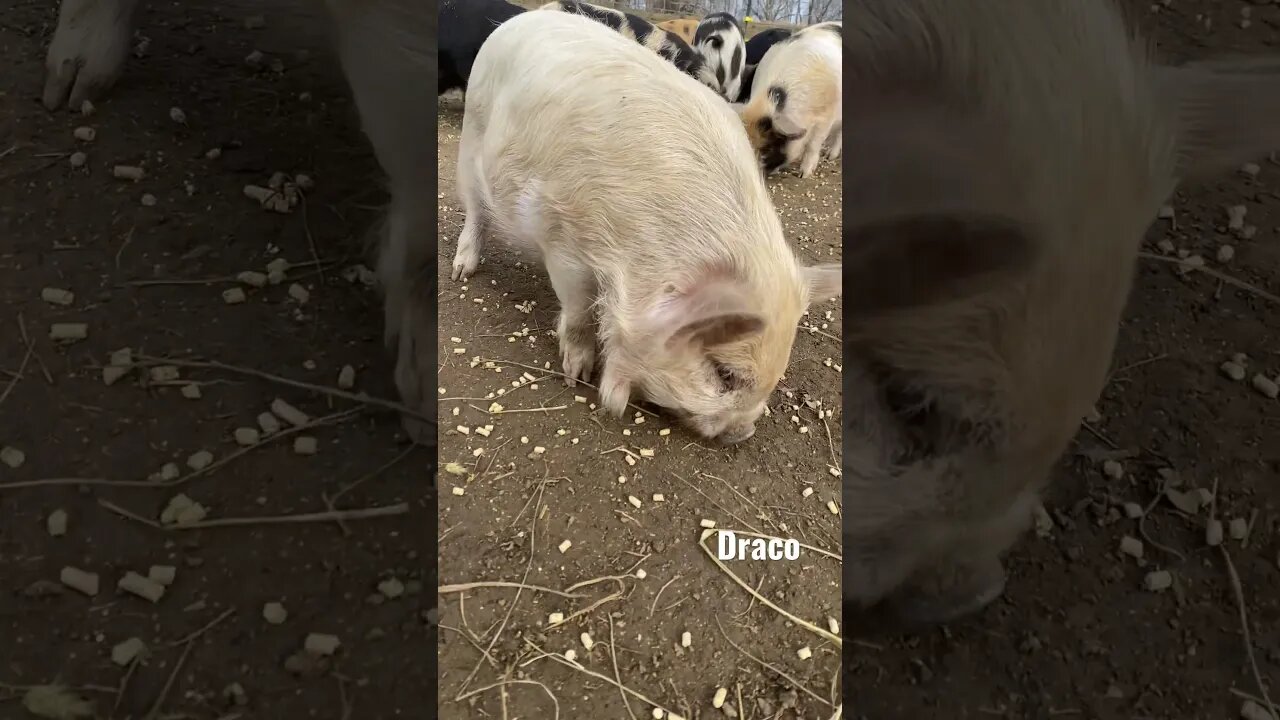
<point>932,206</point>
<point>1225,113</point>
<point>927,259</point>
<point>710,310</point>
<point>823,281</point>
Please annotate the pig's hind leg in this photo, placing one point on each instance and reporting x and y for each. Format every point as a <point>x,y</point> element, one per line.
<point>575,288</point>
<point>88,50</point>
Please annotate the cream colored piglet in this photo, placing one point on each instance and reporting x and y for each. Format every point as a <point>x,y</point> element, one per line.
<point>639,191</point>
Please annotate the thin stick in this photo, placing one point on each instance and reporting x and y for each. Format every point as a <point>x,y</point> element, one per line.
<point>1142,529</point>
<point>711,500</point>
<point>463,587</point>
<point>563,661</point>
<point>799,686</point>
<point>613,654</point>
<point>204,629</point>
<point>822,632</point>
<point>664,587</point>
<point>322,389</point>
<point>190,642</point>
<point>1214,273</point>
<point>491,686</point>
<point>1238,589</point>
<point>329,516</point>
<point>22,367</point>
<point>650,413</point>
<point>311,241</point>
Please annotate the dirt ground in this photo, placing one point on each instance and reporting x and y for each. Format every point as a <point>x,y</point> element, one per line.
<point>548,452</point>
<point>188,224</point>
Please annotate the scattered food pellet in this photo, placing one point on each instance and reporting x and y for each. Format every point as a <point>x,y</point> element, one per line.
<point>659,497</point>
<point>164,373</point>
<point>1238,528</point>
<point>635,501</point>
<point>565,545</point>
<point>1232,370</point>
<point>84,133</point>
<point>200,460</point>
<point>236,694</point>
<point>804,653</point>
<point>1251,169</point>
<point>170,471</point>
<point>252,278</point>
<point>708,524</point>
<point>78,159</point>
<point>686,639</point>
<point>1131,546</point>
<point>718,699</point>
<point>391,588</point>
<point>57,296</point>
<point>177,115</point>
<point>182,510</point>
<point>128,172</point>
<point>233,296</point>
<point>299,293</point>
<point>555,618</point>
<point>347,377</point>
<point>1113,469</point>
<point>806,492</point>
<point>1266,386</point>
<point>163,574</point>
<point>112,373</point>
<point>12,456</point>
<point>247,436</point>
<point>321,644</point>
<point>145,588</point>
<point>1213,532</point>
<point>289,413</point>
<point>274,613</point>
<point>587,642</point>
<point>1226,253</point>
<point>664,432</point>
<point>148,200</point>
<point>305,445</point>
<point>1158,580</point>
<point>124,653</point>
<point>268,423</point>
<point>79,580</point>
<point>646,452</point>
<point>68,331</point>
<point>657,714</point>
<point>641,574</point>
<point>459,490</point>
<point>56,523</point>
<point>1253,711</point>
<point>833,625</point>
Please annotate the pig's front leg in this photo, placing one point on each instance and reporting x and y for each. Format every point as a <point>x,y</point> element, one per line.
<point>575,288</point>
<point>88,50</point>
<point>834,142</point>
<point>813,150</point>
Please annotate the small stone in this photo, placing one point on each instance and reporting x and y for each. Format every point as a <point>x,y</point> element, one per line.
<point>305,445</point>
<point>1226,253</point>
<point>191,391</point>
<point>321,644</point>
<point>84,133</point>
<point>252,278</point>
<point>1232,370</point>
<point>235,694</point>
<point>1213,532</point>
<point>148,200</point>
<point>78,159</point>
<point>274,613</point>
<point>12,456</point>
<point>56,523</point>
<point>1266,386</point>
<point>124,653</point>
<point>169,471</point>
<point>1187,502</point>
<point>347,377</point>
<point>1133,510</point>
<point>177,115</point>
<point>200,460</point>
<point>111,373</point>
<point>164,373</point>
<point>233,296</point>
<point>1250,169</point>
<point>1165,212</point>
<point>1166,246</point>
<point>1157,580</point>
<point>1251,710</point>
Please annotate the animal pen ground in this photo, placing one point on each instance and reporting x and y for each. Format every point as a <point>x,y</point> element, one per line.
<point>148,263</point>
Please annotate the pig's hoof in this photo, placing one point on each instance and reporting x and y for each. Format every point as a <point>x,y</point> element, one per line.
<point>464,267</point>
<point>919,608</point>
<point>578,362</point>
<point>87,52</point>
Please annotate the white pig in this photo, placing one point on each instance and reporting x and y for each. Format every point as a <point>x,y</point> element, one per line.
<point>638,190</point>
<point>795,108</point>
<point>1010,157</point>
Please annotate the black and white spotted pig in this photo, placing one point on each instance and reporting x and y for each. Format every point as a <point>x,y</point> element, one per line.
<point>465,25</point>
<point>718,40</point>
<point>757,47</point>
<point>663,42</point>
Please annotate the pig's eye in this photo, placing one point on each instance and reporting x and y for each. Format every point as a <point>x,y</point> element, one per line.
<point>728,377</point>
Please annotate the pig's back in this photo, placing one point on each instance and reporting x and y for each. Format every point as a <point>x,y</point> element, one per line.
<point>618,142</point>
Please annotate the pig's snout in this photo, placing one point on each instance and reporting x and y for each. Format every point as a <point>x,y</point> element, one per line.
<point>737,433</point>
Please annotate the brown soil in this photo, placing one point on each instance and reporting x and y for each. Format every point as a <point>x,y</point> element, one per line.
<point>84,231</point>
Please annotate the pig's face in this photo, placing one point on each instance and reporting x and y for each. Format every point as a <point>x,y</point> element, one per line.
<point>715,351</point>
